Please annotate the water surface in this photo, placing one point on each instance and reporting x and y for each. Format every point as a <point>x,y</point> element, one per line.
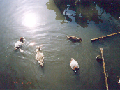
<point>43,23</point>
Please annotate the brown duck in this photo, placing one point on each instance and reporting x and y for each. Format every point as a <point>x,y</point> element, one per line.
<point>74,38</point>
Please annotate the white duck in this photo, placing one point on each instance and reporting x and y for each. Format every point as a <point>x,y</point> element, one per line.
<point>39,55</point>
<point>19,43</point>
<point>74,65</point>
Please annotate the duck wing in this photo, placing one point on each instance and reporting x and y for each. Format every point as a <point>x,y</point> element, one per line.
<point>18,44</point>
<point>73,64</point>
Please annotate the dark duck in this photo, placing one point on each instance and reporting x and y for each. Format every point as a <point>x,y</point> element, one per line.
<point>74,38</point>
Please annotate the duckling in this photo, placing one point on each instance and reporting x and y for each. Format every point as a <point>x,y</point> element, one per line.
<point>74,65</point>
<point>74,39</point>
<point>19,44</point>
<point>39,55</point>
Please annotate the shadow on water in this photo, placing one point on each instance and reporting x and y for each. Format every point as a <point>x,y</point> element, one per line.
<point>81,13</point>
<point>84,11</point>
<point>112,7</point>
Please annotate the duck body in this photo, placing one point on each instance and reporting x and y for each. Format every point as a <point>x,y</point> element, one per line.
<point>99,58</point>
<point>39,56</point>
<point>74,65</point>
<point>74,38</point>
<point>119,81</point>
<point>19,43</point>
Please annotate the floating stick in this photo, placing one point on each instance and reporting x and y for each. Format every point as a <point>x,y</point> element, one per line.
<point>103,37</point>
<point>104,71</point>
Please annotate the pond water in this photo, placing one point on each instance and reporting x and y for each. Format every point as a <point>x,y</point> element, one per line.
<point>43,23</point>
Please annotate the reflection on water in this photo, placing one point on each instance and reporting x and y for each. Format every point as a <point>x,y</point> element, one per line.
<point>83,12</point>
<point>112,7</point>
<point>29,20</point>
<point>31,44</point>
<point>86,13</point>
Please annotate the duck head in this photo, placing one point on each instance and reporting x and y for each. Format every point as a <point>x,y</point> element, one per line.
<point>75,69</point>
<point>22,39</point>
<point>79,39</point>
<point>38,48</point>
<point>99,58</point>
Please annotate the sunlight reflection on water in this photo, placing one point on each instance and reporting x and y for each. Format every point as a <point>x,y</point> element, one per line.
<point>29,20</point>
<point>32,43</point>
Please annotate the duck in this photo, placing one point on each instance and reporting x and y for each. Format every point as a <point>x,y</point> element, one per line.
<point>74,65</point>
<point>39,56</point>
<point>74,38</point>
<point>18,44</point>
<point>99,58</point>
<point>119,81</point>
